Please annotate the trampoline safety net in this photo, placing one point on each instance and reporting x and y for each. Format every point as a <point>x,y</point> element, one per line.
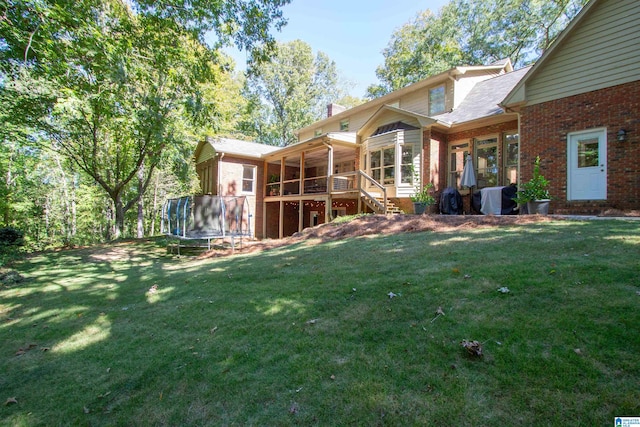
<point>206,217</point>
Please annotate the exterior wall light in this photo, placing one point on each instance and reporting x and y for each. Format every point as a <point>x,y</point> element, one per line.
<point>622,135</point>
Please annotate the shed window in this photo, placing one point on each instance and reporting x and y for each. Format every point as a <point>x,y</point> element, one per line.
<point>248,179</point>
<point>344,125</point>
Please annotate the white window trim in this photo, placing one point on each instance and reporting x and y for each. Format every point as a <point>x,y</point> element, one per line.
<point>253,179</point>
<point>450,150</point>
<point>476,163</point>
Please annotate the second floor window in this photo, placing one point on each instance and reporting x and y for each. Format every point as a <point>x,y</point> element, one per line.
<point>436,100</point>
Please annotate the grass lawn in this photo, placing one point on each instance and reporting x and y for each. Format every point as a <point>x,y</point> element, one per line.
<point>308,335</point>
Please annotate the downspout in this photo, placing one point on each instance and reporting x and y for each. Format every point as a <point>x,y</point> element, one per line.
<point>218,183</point>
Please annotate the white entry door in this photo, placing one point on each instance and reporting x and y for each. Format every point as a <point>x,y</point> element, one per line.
<point>587,165</point>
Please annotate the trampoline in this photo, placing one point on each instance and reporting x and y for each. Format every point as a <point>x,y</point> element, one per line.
<point>206,218</point>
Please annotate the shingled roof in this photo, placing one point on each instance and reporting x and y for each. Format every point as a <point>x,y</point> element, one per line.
<point>483,99</point>
<point>240,148</point>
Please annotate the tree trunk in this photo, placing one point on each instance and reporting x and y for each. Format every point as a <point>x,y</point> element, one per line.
<point>140,203</point>
<point>67,203</point>
<point>9,180</point>
<point>118,231</point>
<point>74,206</point>
<point>152,232</point>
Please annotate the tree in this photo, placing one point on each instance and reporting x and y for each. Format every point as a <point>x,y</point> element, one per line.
<point>471,32</point>
<point>290,92</point>
<point>126,78</point>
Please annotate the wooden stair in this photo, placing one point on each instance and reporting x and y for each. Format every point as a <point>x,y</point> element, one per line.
<point>392,209</point>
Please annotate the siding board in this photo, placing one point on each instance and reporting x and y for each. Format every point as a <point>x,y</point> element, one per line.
<point>601,52</point>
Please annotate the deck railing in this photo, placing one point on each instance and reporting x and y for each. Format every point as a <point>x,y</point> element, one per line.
<point>342,183</point>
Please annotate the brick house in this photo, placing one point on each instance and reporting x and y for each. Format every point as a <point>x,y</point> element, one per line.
<point>373,157</point>
<point>579,110</point>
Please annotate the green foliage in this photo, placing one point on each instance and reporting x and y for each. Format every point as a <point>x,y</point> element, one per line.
<point>118,88</point>
<point>424,195</point>
<point>10,236</point>
<point>537,188</point>
<point>290,92</point>
<point>471,33</point>
<point>421,195</point>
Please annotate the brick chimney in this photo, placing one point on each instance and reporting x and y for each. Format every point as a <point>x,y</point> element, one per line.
<point>333,109</point>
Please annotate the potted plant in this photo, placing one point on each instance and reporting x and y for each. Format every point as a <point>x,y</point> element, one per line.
<point>422,198</point>
<point>535,193</point>
<point>274,184</point>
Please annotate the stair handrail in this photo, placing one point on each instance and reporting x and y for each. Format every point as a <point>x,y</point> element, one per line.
<point>382,206</point>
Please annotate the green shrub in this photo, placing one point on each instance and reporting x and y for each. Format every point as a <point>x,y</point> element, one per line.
<point>10,236</point>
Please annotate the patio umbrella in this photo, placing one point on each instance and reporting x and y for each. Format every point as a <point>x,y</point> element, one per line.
<point>468,178</point>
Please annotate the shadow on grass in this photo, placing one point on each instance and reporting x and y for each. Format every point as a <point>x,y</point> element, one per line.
<point>309,335</point>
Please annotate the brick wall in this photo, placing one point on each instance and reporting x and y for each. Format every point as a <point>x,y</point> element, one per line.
<point>544,130</point>
<point>436,144</point>
<point>231,185</point>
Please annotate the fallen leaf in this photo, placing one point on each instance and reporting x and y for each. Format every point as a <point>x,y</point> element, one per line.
<point>439,311</point>
<point>474,347</point>
<point>312,321</point>
<point>391,295</point>
<point>333,377</point>
<point>45,349</point>
<point>455,270</point>
<point>86,410</point>
<point>504,290</point>
<point>10,401</point>
<point>578,351</point>
<point>213,330</point>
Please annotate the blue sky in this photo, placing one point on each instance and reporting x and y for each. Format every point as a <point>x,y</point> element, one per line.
<point>352,32</point>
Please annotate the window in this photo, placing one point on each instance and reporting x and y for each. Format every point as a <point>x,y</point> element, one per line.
<point>248,179</point>
<point>376,166</point>
<point>511,155</point>
<point>457,157</point>
<point>487,162</point>
<point>318,132</point>
<point>436,100</point>
<point>406,165</point>
<point>382,165</point>
<point>389,156</point>
<point>344,125</point>
<point>588,152</point>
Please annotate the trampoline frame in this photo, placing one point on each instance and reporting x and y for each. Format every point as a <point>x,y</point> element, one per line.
<point>179,220</point>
